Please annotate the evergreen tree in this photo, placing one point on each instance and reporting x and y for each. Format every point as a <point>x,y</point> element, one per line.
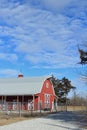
<point>62,88</point>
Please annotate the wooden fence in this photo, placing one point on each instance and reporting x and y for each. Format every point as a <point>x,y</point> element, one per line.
<point>71,108</point>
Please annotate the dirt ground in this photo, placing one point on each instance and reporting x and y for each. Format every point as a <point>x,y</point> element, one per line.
<point>83,118</point>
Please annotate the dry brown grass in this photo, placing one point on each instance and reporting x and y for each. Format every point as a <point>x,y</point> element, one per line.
<point>14,117</point>
<point>76,108</point>
<point>5,120</point>
<point>11,120</point>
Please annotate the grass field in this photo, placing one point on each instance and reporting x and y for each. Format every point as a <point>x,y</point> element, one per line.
<point>76,108</point>
<point>72,108</point>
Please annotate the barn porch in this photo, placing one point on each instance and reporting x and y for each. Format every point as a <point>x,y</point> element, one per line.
<point>25,102</point>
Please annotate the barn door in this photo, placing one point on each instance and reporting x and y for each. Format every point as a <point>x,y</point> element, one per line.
<point>47,101</point>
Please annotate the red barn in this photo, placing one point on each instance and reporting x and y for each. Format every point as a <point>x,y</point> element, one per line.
<point>31,92</point>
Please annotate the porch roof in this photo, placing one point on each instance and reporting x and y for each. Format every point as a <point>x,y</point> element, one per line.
<point>21,86</point>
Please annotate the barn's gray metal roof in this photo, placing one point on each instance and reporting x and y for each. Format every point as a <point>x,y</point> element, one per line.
<point>21,86</point>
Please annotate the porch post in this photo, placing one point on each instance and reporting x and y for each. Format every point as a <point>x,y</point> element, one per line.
<point>5,103</point>
<point>2,104</point>
<point>22,102</point>
<point>5,99</point>
<point>33,102</point>
<point>2,99</point>
<point>17,102</point>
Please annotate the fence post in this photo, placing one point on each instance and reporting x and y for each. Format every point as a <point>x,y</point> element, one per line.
<point>40,107</point>
<point>31,108</point>
<point>66,103</point>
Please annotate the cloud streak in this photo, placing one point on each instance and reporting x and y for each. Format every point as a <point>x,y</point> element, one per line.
<point>9,57</point>
<point>9,72</point>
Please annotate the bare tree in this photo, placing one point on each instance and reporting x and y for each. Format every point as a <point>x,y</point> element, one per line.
<point>83,61</point>
<point>78,100</point>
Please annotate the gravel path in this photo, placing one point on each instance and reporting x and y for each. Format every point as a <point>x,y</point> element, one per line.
<point>59,121</point>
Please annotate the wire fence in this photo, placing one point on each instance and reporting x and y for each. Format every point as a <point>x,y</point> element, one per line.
<point>14,106</point>
<point>25,106</point>
<point>24,109</point>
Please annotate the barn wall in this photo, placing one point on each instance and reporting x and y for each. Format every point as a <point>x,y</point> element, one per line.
<point>46,97</point>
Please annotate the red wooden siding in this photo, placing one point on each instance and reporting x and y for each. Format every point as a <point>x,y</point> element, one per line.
<point>47,96</point>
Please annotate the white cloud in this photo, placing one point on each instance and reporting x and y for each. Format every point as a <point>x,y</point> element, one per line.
<point>9,72</point>
<point>9,57</point>
<point>51,60</point>
<point>51,5</point>
<point>56,5</point>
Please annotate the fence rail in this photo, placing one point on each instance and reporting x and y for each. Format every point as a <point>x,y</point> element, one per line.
<point>71,108</point>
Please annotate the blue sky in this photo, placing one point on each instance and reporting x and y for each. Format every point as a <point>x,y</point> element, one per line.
<point>41,37</point>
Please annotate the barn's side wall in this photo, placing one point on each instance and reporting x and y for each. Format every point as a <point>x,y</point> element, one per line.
<point>47,96</point>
